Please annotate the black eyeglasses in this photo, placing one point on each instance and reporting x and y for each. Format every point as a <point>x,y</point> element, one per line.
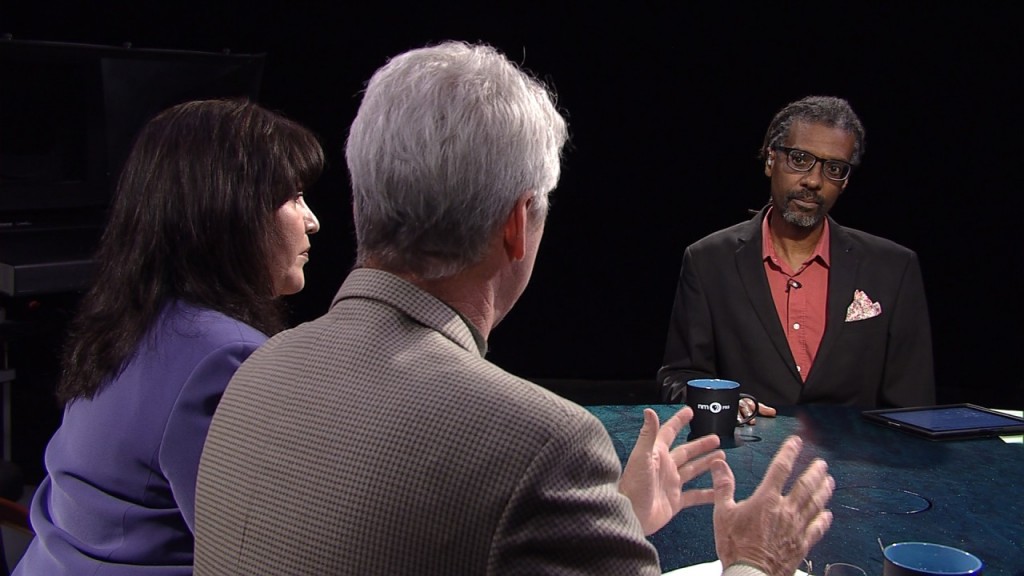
<point>803,161</point>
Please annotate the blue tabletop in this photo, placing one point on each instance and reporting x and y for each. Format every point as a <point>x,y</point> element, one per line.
<point>890,486</point>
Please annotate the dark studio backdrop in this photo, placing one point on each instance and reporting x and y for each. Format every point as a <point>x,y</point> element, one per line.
<point>667,104</point>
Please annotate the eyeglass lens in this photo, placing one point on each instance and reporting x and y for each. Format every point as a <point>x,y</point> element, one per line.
<point>802,161</point>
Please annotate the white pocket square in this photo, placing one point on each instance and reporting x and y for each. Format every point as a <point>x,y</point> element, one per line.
<point>862,307</point>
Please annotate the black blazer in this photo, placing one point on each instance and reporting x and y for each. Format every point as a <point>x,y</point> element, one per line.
<point>724,324</point>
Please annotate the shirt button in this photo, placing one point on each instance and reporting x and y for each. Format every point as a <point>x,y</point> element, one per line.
<point>796,326</point>
<point>798,369</point>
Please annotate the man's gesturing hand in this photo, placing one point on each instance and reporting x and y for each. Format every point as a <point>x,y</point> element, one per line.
<point>654,475</point>
<point>769,530</point>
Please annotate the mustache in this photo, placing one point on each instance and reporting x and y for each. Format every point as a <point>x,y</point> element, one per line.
<point>804,196</point>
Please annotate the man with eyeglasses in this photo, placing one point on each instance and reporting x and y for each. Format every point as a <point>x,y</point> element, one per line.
<point>790,304</point>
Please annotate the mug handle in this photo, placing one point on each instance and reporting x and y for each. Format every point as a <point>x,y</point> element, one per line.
<point>753,414</point>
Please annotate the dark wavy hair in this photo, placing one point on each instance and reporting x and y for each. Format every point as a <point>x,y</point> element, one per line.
<point>828,110</point>
<point>193,218</point>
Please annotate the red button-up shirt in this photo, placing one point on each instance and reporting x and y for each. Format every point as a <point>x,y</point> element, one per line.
<point>800,296</point>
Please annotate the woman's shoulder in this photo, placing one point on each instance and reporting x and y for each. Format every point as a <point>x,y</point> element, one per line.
<point>181,319</point>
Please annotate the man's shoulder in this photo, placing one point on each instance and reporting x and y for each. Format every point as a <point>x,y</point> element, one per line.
<point>480,382</point>
<point>727,237</point>
<point>871,243</point>
<point>384,343</point>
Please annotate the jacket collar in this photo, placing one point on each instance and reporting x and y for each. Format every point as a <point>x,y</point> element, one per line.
<point>844,260</point>
<point>422,307</point>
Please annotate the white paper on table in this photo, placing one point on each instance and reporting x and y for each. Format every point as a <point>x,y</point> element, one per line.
<point>1018,439</point>
<point>705,569</point>
<point>708,569</point>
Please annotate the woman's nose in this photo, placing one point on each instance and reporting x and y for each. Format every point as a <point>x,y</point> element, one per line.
<point>312,224</point>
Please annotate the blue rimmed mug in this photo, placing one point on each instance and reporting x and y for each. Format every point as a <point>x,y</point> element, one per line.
<point>715,403</point>
<point>927,559</point>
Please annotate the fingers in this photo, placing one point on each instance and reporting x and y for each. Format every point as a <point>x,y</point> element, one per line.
<point>812,490</point>
<point>652,431</point>
<point>674,425</point>
<point>694,459</point>
<point>693,463</point>
<point>685,452</point>
<point>693,469</point>
<point>640,456</point>
<point>770,530</point>
<point>746,407</point>
<point>696,497</point>
<point>648,432</point>
<point>809,497</point>
<point>724,484</point>
<point>818,528</point>
<point>781,466</point>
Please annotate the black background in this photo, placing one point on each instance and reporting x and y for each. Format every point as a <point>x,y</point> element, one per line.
<point>667,104</point>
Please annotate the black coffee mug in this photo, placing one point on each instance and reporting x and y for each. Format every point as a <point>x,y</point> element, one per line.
<point>715,404</point>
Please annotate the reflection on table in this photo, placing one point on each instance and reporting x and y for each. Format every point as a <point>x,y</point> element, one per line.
<point>890,486</point>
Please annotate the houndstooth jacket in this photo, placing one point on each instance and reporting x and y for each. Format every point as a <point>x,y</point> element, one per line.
<point>378,440</point>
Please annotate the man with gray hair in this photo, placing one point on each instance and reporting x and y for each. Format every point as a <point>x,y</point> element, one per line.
<point>378,440</point>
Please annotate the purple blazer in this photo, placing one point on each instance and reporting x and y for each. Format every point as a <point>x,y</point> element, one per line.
<point>119,496</point>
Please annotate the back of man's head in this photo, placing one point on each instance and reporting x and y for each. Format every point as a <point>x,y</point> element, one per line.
<point>447,138</point>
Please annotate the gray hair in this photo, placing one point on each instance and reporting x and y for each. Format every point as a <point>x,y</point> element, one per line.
<point>828,110</point>
<point>446,140</point>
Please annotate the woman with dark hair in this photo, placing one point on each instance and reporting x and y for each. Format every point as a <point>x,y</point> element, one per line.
<point>208,228</point>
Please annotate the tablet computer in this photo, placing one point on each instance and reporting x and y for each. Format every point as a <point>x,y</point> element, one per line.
<point>947,422</point>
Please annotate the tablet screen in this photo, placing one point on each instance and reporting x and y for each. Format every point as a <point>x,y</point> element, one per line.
<point>949,421</point>
<point>952,418</point>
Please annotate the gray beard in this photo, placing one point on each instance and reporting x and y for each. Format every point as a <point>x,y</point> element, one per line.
<point>801,219</point>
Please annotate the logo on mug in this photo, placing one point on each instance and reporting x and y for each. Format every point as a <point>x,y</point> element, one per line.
<point>714,407</point>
